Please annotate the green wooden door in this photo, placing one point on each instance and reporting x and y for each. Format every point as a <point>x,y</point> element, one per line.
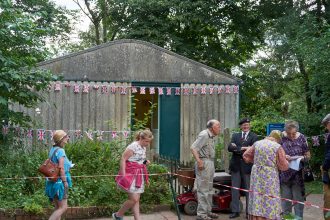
<point>169,125</point>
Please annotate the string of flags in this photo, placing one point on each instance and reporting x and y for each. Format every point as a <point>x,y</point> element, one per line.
<point>315,140</point>
<point>43,134</point>
<point>123,90</point>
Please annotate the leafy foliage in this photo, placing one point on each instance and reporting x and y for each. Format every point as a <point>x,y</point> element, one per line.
<point>219,34</point>
<point>25,26</point>
<point>96,161</point>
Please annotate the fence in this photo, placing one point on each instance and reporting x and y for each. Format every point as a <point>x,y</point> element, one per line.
<point>174,166</point>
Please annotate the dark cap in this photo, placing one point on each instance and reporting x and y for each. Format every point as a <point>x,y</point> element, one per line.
<point>244,120</point>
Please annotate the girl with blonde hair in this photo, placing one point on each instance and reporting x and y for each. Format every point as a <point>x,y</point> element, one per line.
<point>133,173</point>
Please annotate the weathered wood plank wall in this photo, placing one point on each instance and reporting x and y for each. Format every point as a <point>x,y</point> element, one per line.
<point>196,110</point>
<point>82,111</point>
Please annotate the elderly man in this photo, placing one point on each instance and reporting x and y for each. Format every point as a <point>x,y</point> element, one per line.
<point>203,150</point>
<point>240,171</point>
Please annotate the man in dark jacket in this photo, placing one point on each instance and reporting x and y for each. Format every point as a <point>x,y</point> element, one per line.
<point>240,171</point>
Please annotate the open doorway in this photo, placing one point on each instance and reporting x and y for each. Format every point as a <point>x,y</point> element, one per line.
<point>164,121</point>
<point>145,106</point>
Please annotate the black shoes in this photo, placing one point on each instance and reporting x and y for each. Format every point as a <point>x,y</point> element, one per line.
<point>234,215</point>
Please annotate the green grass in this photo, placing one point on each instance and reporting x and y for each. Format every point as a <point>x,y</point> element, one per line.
<point>314,187</point>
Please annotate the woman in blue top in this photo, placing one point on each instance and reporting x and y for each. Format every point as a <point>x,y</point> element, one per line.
<point>58,191</point>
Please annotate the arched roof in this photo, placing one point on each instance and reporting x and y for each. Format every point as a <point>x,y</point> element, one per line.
<point>134,61</point>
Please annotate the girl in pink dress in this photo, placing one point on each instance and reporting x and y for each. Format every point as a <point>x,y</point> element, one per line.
<point>133,173</point>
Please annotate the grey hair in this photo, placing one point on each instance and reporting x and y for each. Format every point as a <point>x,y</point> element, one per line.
<point>291,124</point>
<point>326,120</point>
<point>211,122</point>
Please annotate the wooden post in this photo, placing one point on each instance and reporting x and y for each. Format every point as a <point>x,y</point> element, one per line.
<point>226,141</point>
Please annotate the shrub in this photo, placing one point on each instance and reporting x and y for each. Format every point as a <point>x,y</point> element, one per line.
<point>91,158</point>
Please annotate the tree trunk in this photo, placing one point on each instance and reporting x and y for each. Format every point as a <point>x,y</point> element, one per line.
<point>308,97</point>
<point>97,33</point>
<point>105,23</point>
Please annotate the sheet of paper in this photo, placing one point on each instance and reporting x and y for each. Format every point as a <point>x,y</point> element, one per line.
<point>295,162</point>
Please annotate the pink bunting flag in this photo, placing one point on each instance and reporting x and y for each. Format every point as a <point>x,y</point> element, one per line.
<point>195,91</point>
<point>104,89</point>
<point>67,85</point>
<point>76,88</point>
<point>227,89</point>
<point>57,87</point>
<point>99,135</point>
<point>85,88</point>
<point>113,89</point>
<point>125,134</point>
<point>143,90</point>
<point>41,134</point>
<point>49,87</point>
<point>169,91</point>
<point>186,91</point>
<point>160,91</point>
<point>235,89</point>
<point>51,134</point>
<point>77,133</point>
<point>134,89</point>
<point>123,90</point>
<point>177,91</point>
<point>96,87</point>
<point>152,90</point>
<point>114,134</point>
<point>220,89</point>
<point>29,133</point>
<point>89,135</point>
<point>203,90</point>
<point>211,91</point>
<point>316,141</point>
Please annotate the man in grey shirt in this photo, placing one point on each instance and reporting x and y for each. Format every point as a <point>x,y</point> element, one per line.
<point>203,150</point>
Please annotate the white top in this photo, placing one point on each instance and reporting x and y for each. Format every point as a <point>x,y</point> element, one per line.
<point>246,134</point>
<point>139,152</point>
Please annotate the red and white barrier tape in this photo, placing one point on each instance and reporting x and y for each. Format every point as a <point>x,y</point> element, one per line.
<point>176,174</point>
<point>263,194</point>
<point>85,176</point>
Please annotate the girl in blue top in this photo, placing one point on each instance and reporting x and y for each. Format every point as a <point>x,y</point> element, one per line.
<point>57,191</point>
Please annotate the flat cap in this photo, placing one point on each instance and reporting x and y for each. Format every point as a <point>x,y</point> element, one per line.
<point>244,120</point>
<point>326,120</point>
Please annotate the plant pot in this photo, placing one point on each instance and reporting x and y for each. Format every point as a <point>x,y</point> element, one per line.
<point>186,177</point>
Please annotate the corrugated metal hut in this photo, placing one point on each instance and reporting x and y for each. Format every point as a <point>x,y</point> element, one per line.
<point>98,84</point>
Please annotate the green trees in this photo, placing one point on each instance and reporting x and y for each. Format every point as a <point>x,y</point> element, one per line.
<point>220,34</point>
<point>293,63</point>
<point>25,27</point>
